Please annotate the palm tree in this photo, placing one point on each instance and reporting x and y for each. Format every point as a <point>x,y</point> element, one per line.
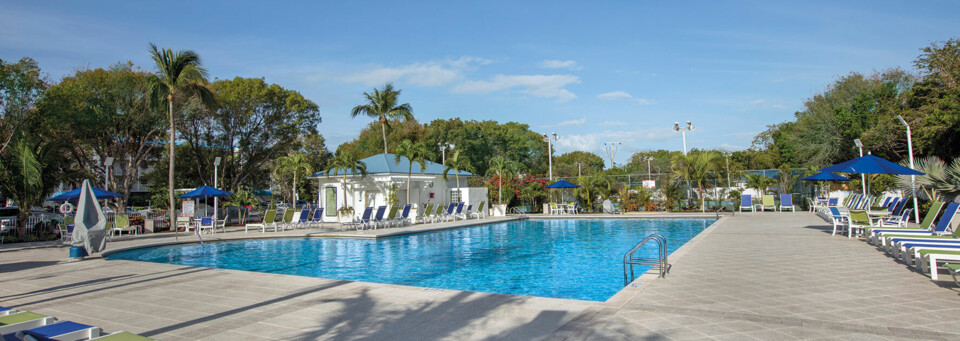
<point>177,73</point>
<point>30,172</point>
<point>939,181</point>
<point>382,105</point>
<point>759,182</point>
<point>242,198</point>
<point>346,162</point>
<point>295,164</point>
<point>414,152</point>
<point>501,167</point>
<point>695,167</point>
<point>456,163</point>
<point>592,184</point>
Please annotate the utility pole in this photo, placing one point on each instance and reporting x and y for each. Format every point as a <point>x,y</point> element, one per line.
<point>550,151</point>
<point>683,131</point>
<point>443,151</point>
<point>579,170</point>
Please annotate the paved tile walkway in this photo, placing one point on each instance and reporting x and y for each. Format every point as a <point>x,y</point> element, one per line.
<point>754,276</point>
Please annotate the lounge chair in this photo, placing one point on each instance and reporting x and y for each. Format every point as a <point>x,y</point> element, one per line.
<point>391,217</point>
<point>317,217</point>
<point>404,215</point>
<point>897,220</point>
<point>63,330</point>
<point>23,320</point>
<point>185,223</point>
<point>479,212</point>
<point>64,232</point>
<point>378,218</point>
<point>924,226</point>
<point>364,220</point>
<point>838,220</point>
<point>786,201</point>
<point>466,213</point>
<point>4,311</point>
<point>122,224</point>
<point>287,218</point>
<point>447,214</point>
<point>267,221</point>
<point>459,212</point>
<point>746,202</point>
<point>304,219</point>
<point>554,209</point>
<point>939,233</point>
<point>767,203</point>
<point>424,213</point>
<point>440,212</point>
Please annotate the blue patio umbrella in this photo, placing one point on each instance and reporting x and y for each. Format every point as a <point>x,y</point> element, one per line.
<point>869,164</point>
<point>562,184</point>
<point>826,176</point>
<point>205,192</point>
<point>74,195</point>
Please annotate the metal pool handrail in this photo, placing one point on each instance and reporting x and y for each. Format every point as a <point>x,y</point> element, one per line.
<point>660,262</point>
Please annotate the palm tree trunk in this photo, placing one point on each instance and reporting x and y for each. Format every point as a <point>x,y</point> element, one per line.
<point>500,189</point>
<point>383,129</point>
<point>409,175</point>
<point>173,205</point>
<point>293,191</point>
<point>457,174</point>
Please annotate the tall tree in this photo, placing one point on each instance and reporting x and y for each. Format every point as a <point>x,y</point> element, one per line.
<point>414,152</point>
<point>342,163</point>
<point>20,88</point>
<point>382,105</point>
<point>502,167</point>
<point>696,167</point>
<point>456,163</point>
<point>294,165</point>
<point>178,74</point>
<point>30,171</point>
<point>106,113</point>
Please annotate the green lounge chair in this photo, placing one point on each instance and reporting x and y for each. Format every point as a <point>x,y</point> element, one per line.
<point>122,336</point>
<point>122,224</point>
<point>22,321</point>
<point>267,221</point>
<point>479,212</point>
<point>391,217</point>
<point>768,203</point>
<point>424,214</point>
<point>925,225</point>
<point>287,218</point>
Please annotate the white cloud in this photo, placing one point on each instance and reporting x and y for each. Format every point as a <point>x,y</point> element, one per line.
<point>536,85</point>
<point>757,102</point>
<point>579,122</point>
<point>620,95</point>
<point>611,123</point>
<point>730,147</point>
<point>559,64</point>
<point>594,142</point>
<point>743,135</point>
<point>431,73</point>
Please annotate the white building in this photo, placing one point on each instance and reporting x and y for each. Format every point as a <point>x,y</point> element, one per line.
<point>386,176</point>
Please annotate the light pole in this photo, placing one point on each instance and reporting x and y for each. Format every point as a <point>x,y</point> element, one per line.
<point>107,164</point>
<point>612,150</point>
<point>913,178</point>
<point>863,177</point>
<point>683,131</point>
<point>550,151</point>
<point>443,151</point>
<point>579,170</point>
<point>727,157</point>
<point>649,158</point>
<point>216,166</point>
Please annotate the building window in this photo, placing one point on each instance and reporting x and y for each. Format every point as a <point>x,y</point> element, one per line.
<point>454,195</point>
<point>330,203</point>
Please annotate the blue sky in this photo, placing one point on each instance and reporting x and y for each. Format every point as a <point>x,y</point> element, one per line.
<point>593,72</point>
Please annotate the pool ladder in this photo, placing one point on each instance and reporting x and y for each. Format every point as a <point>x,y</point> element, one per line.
<point>522,213</point>
<point>660,262</point>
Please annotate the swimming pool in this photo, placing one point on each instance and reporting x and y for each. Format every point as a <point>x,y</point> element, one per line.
<point>563,258</point>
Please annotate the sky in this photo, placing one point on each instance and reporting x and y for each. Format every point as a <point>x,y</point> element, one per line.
<point>593,72</point>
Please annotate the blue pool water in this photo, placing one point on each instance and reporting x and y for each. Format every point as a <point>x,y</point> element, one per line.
<point>569,258</point>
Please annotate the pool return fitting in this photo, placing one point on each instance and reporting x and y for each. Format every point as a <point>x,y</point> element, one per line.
<point>660,262</point>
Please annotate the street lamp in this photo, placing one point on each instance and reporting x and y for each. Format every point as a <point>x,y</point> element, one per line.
<point>443,151</point>
<point>550,151</point>
<point>649,158</point>
<point>579,165</point>
<point>107,163</point>
<point>612,150</point>
<point>913,178</point>
<point>216,166</point>
<point>683,131</point>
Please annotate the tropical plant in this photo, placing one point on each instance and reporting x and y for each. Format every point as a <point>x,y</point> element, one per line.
<point>456,163</point>
<point>30,172</point>
<point>294,165</point>
<point>939,181</point>
<point>346,162</point>
<point>382,104</point>
<point>593,185</point>
<point>241,199</point>
<point>672,193</point>
<point>178,75</point>
<point>533,190</point>
<point>414,152</point>
<point>502,168</point>
<point>787,179</point>
<point>759,182</point>
<point>696,167</point>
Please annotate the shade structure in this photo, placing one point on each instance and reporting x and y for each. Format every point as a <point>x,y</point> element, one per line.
<point>869,164</point>
<point>205,192</point>
<point>90,223</point>
<point>74,195</point>
<point>562,184</point>
<point>826,176</point>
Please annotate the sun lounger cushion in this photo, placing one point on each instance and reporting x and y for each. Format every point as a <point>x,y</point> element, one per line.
<point>122,336</point>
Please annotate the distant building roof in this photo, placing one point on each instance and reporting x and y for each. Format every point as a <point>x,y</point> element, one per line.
<point>387,163</point>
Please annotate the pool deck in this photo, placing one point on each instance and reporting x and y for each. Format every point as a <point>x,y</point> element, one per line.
<point>751,276</point>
